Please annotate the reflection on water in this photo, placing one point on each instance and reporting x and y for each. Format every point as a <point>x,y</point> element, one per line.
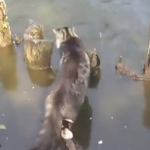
<point>8,68</point>
<point>124,31</point>
<point>83,124</point>
<point>43,78</point>
<point>146,111</point>
<point>95,77</point>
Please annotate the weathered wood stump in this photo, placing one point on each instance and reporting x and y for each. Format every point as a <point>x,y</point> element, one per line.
<point>37,50</point>
<point>8,68</point>
<point>43,78</point>
<point>5,32</point>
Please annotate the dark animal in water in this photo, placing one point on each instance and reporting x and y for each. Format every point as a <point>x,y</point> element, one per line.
<point>68,90</point>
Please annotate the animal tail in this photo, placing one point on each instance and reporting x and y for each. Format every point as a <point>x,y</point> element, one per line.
<point>50,135</point>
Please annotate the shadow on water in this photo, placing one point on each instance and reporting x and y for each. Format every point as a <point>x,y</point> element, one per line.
<point>83,124</point>
<point>95,77</point>
<point>43,78</point>
<point>146,112</point>
<point>8,68</point>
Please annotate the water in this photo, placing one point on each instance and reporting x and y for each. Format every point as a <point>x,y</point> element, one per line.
<point>116,113</point>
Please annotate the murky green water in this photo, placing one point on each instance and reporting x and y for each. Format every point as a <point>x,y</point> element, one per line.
<point>118,110</point>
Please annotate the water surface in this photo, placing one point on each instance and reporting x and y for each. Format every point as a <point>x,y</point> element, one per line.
<point>118,110</point>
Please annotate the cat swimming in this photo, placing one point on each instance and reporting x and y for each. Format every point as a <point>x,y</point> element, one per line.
<point>68,90</point>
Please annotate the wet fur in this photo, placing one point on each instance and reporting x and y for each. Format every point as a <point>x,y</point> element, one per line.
<point>67,95</point>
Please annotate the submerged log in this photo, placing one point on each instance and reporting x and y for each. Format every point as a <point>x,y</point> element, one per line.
<point>5,32</point>
<point>37,50</point>
<point>124,70</point>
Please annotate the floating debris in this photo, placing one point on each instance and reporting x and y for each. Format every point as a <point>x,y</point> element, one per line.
<point>100,142</point>
<point>2,127</point>
<point>112,117</point>
<point>6,138</point>
<point>31,21</point>
<point>24,92</point>
<point>91,118</point>
<point>3,115</point>
<point>33,87</point>
<point>100,34</point>
<point>125,127</point>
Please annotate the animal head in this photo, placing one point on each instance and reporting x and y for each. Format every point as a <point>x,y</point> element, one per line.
<point>34,32</point>
<point>63,34</point>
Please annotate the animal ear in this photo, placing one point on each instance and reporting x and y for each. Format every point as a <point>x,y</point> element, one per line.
<point>55,31</point>
<point>73,28</point>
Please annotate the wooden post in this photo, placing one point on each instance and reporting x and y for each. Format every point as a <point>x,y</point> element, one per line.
<point>5,32</point>
<point>37,51</point>
<point>146,68</point>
